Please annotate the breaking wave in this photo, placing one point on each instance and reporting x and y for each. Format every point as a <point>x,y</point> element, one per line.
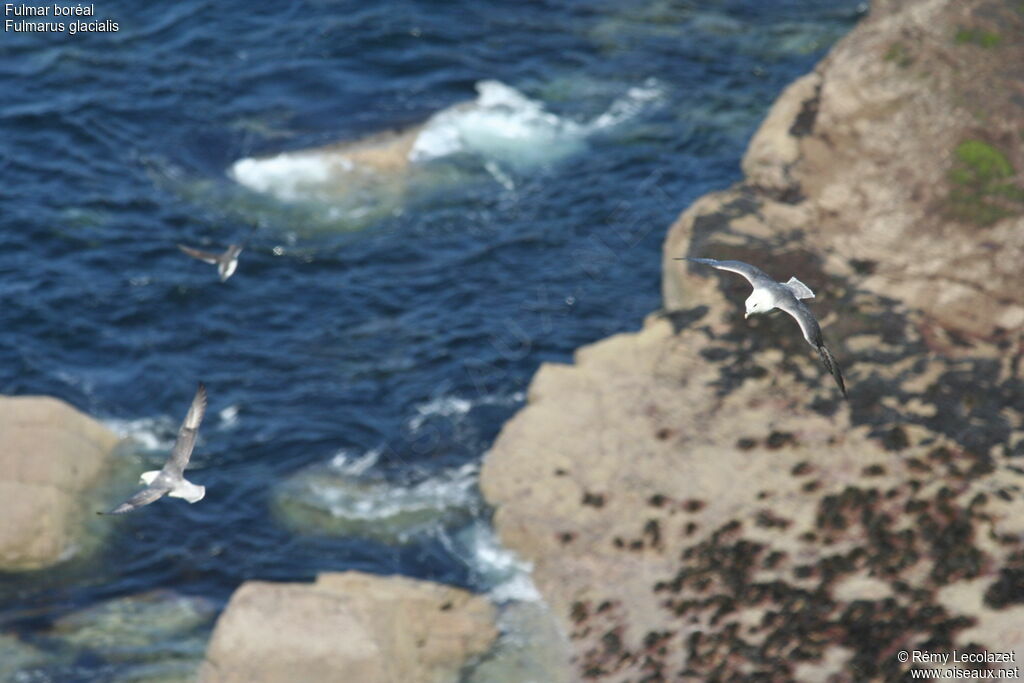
<point>345,497</point>
<point>503,129</point>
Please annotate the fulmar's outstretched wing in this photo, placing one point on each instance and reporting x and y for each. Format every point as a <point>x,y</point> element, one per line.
<point>204,256</point>
<point>754,275</point>
<point>143,497</point>
<point>799,289</point>
<point>812,333</point>
<point>182,451</point>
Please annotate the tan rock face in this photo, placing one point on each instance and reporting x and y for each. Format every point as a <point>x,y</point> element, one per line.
<point>49,454</point>
<point>700,501</point>
<point>897,162</point>
<point>697,500</point>
<point>349,626</point>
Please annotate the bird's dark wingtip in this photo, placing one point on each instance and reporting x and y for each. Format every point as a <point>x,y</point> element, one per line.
<point>833,367</point>
<point>839,380</point>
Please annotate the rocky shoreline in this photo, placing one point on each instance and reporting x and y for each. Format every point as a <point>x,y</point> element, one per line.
<point>695,498</point>
<point>698,501</point>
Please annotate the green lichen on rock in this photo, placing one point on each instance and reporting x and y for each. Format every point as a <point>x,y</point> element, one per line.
<point>982,191</point>
<point>977,36</point>
<point>982,163</point>
<point>899,55</point>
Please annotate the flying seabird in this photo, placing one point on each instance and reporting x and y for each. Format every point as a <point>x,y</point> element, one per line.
<point>171,480</point>
<point>226,262</point>
<point>769,294</point>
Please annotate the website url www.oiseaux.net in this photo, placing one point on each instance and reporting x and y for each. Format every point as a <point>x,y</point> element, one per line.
<point>972,674</point>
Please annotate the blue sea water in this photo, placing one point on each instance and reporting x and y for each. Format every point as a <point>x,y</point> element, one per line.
<point>412,335</point>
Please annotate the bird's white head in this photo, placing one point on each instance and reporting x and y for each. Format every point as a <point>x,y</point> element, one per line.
<point>759,301</point>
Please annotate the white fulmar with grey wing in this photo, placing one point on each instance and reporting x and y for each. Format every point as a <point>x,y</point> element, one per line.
<point>769,294</point>
<point>171,481</point>
<point>226,262</point>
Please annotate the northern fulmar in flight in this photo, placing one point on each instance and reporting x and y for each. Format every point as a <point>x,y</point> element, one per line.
<point>171,480</point>
<point>226,262</point>
<point>769,294</point>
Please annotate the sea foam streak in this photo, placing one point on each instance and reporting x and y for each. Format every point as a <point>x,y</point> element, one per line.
<point>345,497</point>
<point>502,128</point>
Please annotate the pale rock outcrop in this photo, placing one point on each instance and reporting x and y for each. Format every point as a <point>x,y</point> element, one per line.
<point>50,454</point>
<point>349,626</point>
<point>697,500</point>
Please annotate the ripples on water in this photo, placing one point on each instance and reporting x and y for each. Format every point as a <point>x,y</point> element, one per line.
<point>412,336</point>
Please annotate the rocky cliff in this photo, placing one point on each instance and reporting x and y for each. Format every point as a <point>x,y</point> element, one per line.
<point>697,499</point>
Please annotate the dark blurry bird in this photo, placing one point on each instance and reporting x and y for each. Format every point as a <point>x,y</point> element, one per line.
<point>226,262</point>
<point>769,294</point>
<point>170,480</point>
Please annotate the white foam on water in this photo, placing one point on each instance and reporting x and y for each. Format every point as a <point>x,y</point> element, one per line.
<point>501,124</point>
<point>503,178</point>
<point>500,571</point>
<point>519,587</point>
<point>456,407</point>
<point>229,416</point>
<point>152,433</point>
<point>633,103</point>
<point>441,406</point>
<point>87,386</point>
<point>506,130</point>
<point>381,500</point>
<point>504,126</point>
<point>347,463</point>
<point>290,175</point>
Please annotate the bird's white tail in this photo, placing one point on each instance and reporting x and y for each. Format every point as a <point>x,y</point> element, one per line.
<point>189,491</point>
<point>799,289</point>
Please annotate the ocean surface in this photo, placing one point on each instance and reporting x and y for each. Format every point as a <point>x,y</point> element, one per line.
<point>370,346</point>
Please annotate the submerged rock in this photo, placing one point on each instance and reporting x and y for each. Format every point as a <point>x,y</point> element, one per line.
<point>331,500</point>
<point>337,170</point>
<point>154,636</point>
<point>16,657</point>
<point>157,625</point>
<point>50,455</point>
<point>501,132</point>
<point>348,626</point>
